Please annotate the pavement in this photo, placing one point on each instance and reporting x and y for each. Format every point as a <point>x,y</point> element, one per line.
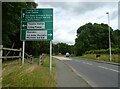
<point>67,77</point>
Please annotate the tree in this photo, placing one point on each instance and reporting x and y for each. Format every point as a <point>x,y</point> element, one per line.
<point>37,47</point>
<point>62,48</point>
<point>116,36</point>
<point>11,20</point>
<point>92,37</point>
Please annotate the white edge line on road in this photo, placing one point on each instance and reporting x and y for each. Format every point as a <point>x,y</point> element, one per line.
<point>82,76</point>
<point>108,69</point>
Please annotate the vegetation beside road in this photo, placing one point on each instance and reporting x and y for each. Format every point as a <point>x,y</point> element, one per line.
<point>94,36</point>
<point>103,57</point>
<point>29,75</point>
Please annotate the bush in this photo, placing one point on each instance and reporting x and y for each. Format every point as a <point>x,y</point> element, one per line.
<point>104,51</point>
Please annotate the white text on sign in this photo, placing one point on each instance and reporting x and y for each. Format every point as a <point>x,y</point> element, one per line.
<point>30,35</point>
<point>35,25</point>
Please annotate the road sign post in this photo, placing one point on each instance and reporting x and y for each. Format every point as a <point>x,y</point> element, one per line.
<point>23,50</point>
<point>36,25</point>
<point>50,56</point>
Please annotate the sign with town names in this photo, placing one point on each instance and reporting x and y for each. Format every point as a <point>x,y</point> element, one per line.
<point>36,34</point>
<point>37,24</point>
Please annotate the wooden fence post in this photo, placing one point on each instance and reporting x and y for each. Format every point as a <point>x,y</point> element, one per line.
<point>20,59</point>
<point>40,60</point>
<point>1,47</point>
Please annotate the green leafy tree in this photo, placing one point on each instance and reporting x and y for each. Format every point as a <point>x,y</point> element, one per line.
<point>116,36</point>
<point>62,48</point>
<point>11,20</point>
<point>37,47</point>
<point>92,37</point>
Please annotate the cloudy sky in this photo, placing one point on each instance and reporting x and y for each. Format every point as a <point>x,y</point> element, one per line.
<point>69,16</point>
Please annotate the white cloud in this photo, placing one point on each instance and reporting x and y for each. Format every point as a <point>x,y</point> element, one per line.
<point>68,17</point>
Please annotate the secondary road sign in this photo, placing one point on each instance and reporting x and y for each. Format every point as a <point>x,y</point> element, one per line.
<point>37,24</point>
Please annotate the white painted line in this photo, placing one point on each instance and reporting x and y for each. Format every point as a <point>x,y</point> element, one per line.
<point>62,58</point>
<point>108,68</point>
<point>84,62</point>
<point>87,63</point>
<point>92,84</point>
<point>113,70</point>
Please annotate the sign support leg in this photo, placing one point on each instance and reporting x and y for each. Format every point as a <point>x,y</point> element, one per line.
<point>23,52</point>
<point>50,56</point>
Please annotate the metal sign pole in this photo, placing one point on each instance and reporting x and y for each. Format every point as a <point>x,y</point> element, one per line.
<point>50,55</point>
<point>23,52</point>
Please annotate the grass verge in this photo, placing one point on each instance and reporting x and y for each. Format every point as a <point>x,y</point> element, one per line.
<point>28,75</point>
<point>103,57</point>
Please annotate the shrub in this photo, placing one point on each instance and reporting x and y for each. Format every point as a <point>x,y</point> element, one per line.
<point>104,51</point>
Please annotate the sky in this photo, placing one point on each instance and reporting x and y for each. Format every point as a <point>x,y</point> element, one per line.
<point>69,16</point>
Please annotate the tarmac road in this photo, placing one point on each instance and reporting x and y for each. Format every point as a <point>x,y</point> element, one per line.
<point>96,74</point>
<point>67,78</point>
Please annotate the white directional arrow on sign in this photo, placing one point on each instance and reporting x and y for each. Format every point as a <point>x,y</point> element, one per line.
<point>24,25</point>
<point>23,14</point>
<point>50,34</point>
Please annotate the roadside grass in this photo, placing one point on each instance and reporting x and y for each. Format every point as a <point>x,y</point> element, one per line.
<point>103,57</point>
<point>28,75</point>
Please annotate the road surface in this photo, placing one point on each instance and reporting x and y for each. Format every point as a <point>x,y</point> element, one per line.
<point>94,73</point>
<point>67,78</point>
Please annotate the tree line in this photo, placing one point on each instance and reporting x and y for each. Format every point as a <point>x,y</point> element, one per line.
<point>63,48</point>
<point>95,37</point>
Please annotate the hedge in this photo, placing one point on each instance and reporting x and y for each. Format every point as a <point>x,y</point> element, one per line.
<point>104,51</point>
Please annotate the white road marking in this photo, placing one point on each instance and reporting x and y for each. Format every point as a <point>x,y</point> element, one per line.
<point>87,63</point>
<point>108,68</point>
<point>62,58</point>
<point>92,84</point>
<point>84,62</point>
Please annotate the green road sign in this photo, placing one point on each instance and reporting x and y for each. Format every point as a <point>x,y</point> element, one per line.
<point>37,24</point>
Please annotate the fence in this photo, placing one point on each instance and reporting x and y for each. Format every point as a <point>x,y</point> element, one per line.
<point>29,57</point>
<point>9,49</point>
